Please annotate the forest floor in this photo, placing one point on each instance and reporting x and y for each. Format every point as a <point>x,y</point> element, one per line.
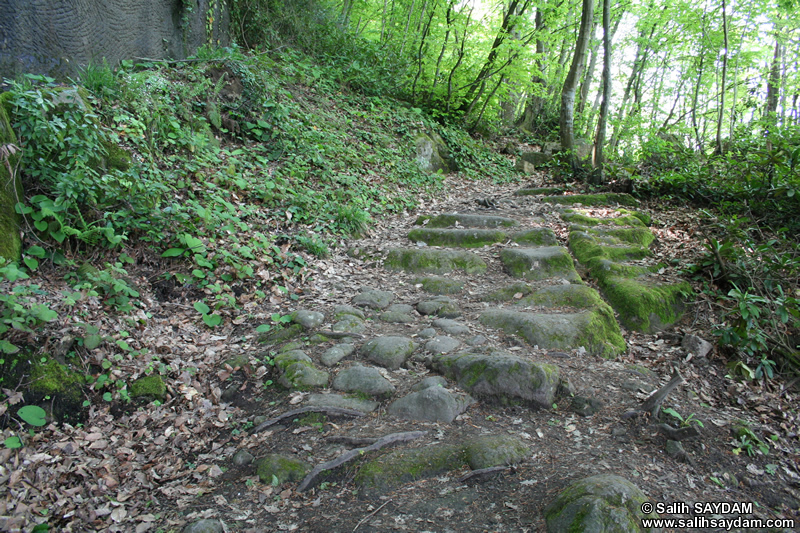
<point>148,467</point>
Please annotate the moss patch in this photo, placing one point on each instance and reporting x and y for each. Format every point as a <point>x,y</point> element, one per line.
<point>281,468</point>
<point>401,466</point>
<point>586,247</point>
<point>434,261</point>
<point>639,236</point>
<point>539,263</point>
<point>51,378</point>
<point>644,306</point>
<point>149,387</point>
<point>466,220</point>
<point>577,216</point>
<point>609,199</point>
<point>465,238</point>
<point>536,237</point>
<point>579,296</point>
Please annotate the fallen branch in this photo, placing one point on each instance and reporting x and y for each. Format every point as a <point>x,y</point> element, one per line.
<point>654,401</point>
<point>351,455</point>
<point>331,411</point>
<point>352,441</point>
<point>373,513</point>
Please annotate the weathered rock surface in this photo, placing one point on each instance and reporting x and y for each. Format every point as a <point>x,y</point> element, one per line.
<point>539,263</point>
<point>432,404</point>
<point>389,352</point>
<point>602,503</point>
<point>465,238</point>
<point>434,261</point>
<point>366,380</point>
<point>466,220</point>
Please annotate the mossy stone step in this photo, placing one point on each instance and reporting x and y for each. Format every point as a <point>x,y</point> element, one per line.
<point>536,237</point>
<point>605,199</point>
<point>587,246</point>
<point>466,220</point>
<point>425,260</point>
<point>594,329</point>
<point>640,236</point>
<point>626,218</point>
<point>539,263</point>
<point>439,285</point>
<point>645,305</point>
<point>465,238</point>
<point>539,191</point>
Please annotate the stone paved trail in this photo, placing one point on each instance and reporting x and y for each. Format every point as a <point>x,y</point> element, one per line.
<point>480,379</point>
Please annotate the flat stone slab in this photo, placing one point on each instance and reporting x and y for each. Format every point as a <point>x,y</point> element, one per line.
<point>594,329</point>
<point>423,260</point>
<point>502,376</point>
<point>451,327</point>
<point>463,238</point>
<point>432,404</point>
<point>536,237</point>
<point>373,299</point>
<point>539,263</point>
<point>307,319</point>
<point>466,220</point>
<point>389,352</point>
<point>334,354</point>
<point>577,216</point>
<point>363,379</point>
<point>645,305</point>
<point>579,296</point>
<point>439,285</point>
<point>442,344</point>
<point>605,199</point>
<point>341,401</point>
<point>604,502</point>
<point>441,306</point>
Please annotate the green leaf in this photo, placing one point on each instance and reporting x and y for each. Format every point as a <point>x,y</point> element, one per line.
<point>107,396</point>
<point>33,415</point>
<point>173,252</point>
<point>36,251</point>
<point>212,320</point>
<point>7,347</point>
<point>12,442</point>
<point>31,263</point>
<point>90,342</point>
<point>41,225</point>
<point>201,307</point>
<point>263,328</point>
<point>275,480</point>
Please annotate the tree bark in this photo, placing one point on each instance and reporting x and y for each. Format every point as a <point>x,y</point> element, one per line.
<point>597,176</point>
<point>718,149</point>
<point>567,115</point>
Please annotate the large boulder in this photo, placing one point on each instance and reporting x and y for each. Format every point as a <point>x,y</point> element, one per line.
<point>432,153</point>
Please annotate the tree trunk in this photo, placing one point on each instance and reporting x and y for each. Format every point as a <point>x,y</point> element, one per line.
<point>535,101</point>
<point>567,115</point>
<point>696,98</point>
<point>721,114</point>
<point>598,176</point>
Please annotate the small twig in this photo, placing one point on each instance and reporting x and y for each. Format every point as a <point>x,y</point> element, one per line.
<point>373,513</point>
<point>482,473</point>
<point>351,455</point>
<point>333,411</point>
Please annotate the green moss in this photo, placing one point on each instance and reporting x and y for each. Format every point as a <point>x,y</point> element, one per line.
<point>603,334</point>
<point>640,236</point>
<point>281,468</point>
<point>51,378</point>
<point>495,450</point>
<point>434,261</point>
<point>644,306</point>
<point>576,216</point>
<point>10,190</point>
<point>465,220</point>
<point>149,387</point>
<point>536,237</point>
<point>401,466</point>
<point>439,285</point>
<point>609,199</point>
<point>281,334</point>
<point>117,158</point>
<point>579,296</point>
<point>586,247</point>
<point>465,238</point>
<point>643,217</point>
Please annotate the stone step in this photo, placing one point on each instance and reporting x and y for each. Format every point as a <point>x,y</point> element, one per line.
<point>539,263</point>
<point>476,238</point>
<point>432,261</point>
<point>467,220</point>
<point>605,199</point>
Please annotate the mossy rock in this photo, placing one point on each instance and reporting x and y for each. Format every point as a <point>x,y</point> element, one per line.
<point>603,269</point>
<point>639,235</point>
<point>586,246</point>
<point>539,263</point>
<point>644,217</point>
<point>603,503</point>
<point>151,387</point>
<point>464,238</point>
<point>536,237</point>
<point>604,199</point>
<point>539,191</point>
<point>645,306</point>
<point>579,296</point>
<point>402,466</point>
<point>495,450</point>
<point>298,371</point>
<point>281,334</point>
<point>349,324</point>
<point>506,294</point>
<point>575,216</point>
<point>281,468</point>
<point>465,220</point>
<point>500,376</point>
<point>439,285</point>
<point>434,261</point>
<point>389,352</point>
<point>10,190</point>
<point>595,329</point>
<point>51,378</point>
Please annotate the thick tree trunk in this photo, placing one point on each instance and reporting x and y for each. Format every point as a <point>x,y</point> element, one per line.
<point>567,116</point>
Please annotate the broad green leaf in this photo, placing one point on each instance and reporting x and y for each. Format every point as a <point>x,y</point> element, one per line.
<point>12,442</point>
<point>90,342</point>
<point>212,320</point>
<point>173,252</point>
<point>33,415</point>
<point>263,328</point>
<point>36,251</point>
<point>201,307</point>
